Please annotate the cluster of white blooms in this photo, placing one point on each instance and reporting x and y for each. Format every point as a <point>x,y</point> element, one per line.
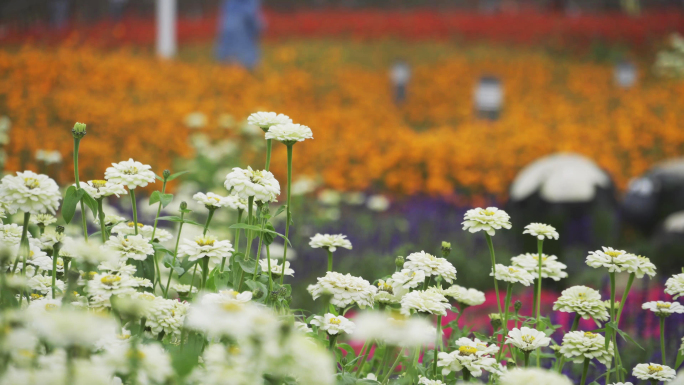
<point>212,200</point>
<point>407,279</point>
<point>394,330</point>
<point>473,356</point>
<point>427,301</point>
<point>205,246</point>
<point>541,231</point>
<point>488,220</point>
<point>551,268</point>
<point>644,266</point>
<point>426,381</point>
<point>333,324</point>
<point>584,301</point>
<point>246,183</point>
<point>663,309</point>
<point>432,266</point>
<point>130,173</point>
<point>276,268</point>
<point>29,192</point>
<point>578,346</point>
<point>527,339</point>
<point>467,297</point>
<point>330,242</point>
<point>266,120</point>
<point>653,372</point>
<point>616,261</point>
<point>130,246</point>
<point>102,188</point>
<point>43,219</point>
<point>533,376</point>
<point>512,275</point>
<point>289,133</point>
<point>344,289</point>
<point>674,285</point>
<point>128,228</point>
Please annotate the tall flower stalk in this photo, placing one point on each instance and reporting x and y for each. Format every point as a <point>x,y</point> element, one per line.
<point>287,208</point>
<point>183,209</point>
<point>78,133</point>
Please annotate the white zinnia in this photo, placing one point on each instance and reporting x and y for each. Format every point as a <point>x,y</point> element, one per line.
<point>578,346</point>
<point>649,372</point>
<point>616,261</point>
<point>400,331</point>
<point>43,284</point>
<point>105,285</point>
<point>464,296</point>
<point>10,234</point>
<point>42,219</point>
<point>467,357</point>
<point>128,228</point>
<point>426,381</point>
<point>424,302</point>
<point>541,231</point>
<point>533,376</point>
<point>211,200</point>
<point>330,242</point>
<point>29,192</point>
<point>489,220</point>
<point>512,275</point>
<point>131,246</point>
<point>276,269</point>
<point>345,290</point>
<point>237,203</point>
<point>582,300</point>
<point>663,309</point>
<point>674,285</point>
<point>431,265</point>
<point>130,173</point>
<point>245,183</point>
<point>408,279</point>
<point>527,339</point>
<point>206,246</point>
<point>644,266</point>
<point>551,268</point>
<point>102,188</point>
<point>289,133</point>
<point>389,291</point>
<point>265,120</point>
<point>333,324</point>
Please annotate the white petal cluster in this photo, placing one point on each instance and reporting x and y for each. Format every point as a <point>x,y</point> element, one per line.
<point>43,284</point>
<point>128,228</point>
<point>663,309</point>
<point>464,296</point>
<point>42,219</point>
<point>131,246</point>
<point>390,291</point>
<point>424,302</point>
<point>166,315</point>
<point>227,297</point>
<point>110,220</point>
<point>541,231</point>
<point>184,290</point>
<point>582,300</point>
<point>488,220</point>
<point>104,286</point>
<point>431,266</point>
<point>330,241</point>
<point>88,252</point>
<point>616,261</point>
<point>289,133</point>
<point>395,331</point>
<point>10,234</point>
<point>481,346</point>
<point>102,188</point>
<point>152,367</point>
<point>650,372</point>
<point>276,269</point>
<point>333,324</point>
<point>45,263</point>
<point>426,381</point>
<point>512,275</point>
<point>245,183</point>
<point>408,279</point>
<point>527,339</point>
<point>344,289</point>
<point>117,266</point>
<point>533,376</point>
<point>130,173</point>
<point>551,268</point>
<point>644,266</point>
<point>72,327</point>
<point>29,192</point>
<point>206,246</point>
<point>237,203</point>
<point>212,200</point>
<point>578,346</point>
<point>223,316</point>
<point>674,285</point>
<point>468,357</point>
<point>265,120</point>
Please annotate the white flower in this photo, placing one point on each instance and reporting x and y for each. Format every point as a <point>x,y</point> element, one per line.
<point>206,246</point>
<point>43,219</point>
<point>582,300</point>
<point>106,285</point>
<point>378,203</point>
<point>237,203</point>
<point>653,371</point>
<point>265,120</point>
<point>408,279</point>
<point>195,120</point>
<point>152,366</point>
<point>345,290</point>
<point>431,265</point>
<point>302,327</point>
<point>578,346</point>
<point>184,290</point>
<point>551,268</point>
<point>616,261</point>
<point>130,173</point>
<point>87,252</point>
<point>49,157</point>
<point>49,238</point>
<point>43,284</point>
<point>333,324</point>
<point>663,309</point>
<point>467,357</point>
<point>400,331</point>
<point>166,315</point>
<point>117,266</point>
<point>276,269</point>
<point>424,302</point>
<point>211,200</point>
<point>261,185</point>
<point>426,381</point>
<point>512,275</point>
<point>45,263</point>
<point>674,285</point>
<point>146,231</point>
<point>227,297</point>
<point>67,327</point>
<point>489,220</point>
<point>533,376</point>
<point>644,266</point>
<point>467,297</point>
<point>131,246</point>
<point>110,220</point>
<point>482,347</point>
<point>225,315</point>
<point>389,291</point>
<point>289,133</point>
<point>330,241</point>
<point>29,192</point>
<point>10,234</point>
<point>102,188</point>
<point>541,231</point>
<point>527,339</point>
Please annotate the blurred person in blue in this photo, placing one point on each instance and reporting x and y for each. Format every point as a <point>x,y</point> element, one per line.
<point>240,25</point>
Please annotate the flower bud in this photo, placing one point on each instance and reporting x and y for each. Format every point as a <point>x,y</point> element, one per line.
<point>556,350</point>
<point>517,306</point>
<point>446,249</point>
<point>79,130</point>
<point>399,262</point>
<point>184,205</point>
<point>495,320</point>
<point>257,293</point>
<point>166,174</point>
<point>60,229</point>
<point>510,365</point>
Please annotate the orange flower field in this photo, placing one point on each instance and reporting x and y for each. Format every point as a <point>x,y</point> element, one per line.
<point>136,106</point>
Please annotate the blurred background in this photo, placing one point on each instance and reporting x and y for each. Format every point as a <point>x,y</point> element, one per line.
<point>567,112</point>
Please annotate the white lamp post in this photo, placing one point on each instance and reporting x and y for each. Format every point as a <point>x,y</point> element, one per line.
<point>166,28</point>
<point>489,97</point>
<point>625,74</point>
<point>400,73</point>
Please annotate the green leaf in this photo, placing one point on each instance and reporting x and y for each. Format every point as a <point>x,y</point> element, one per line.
<point>256,285</point>
<point>158,177</point>
<point>248,266</point>
<point>268,238</point>
<point>680,358</point>
<point>186,265</point>
<point>626,337</point>
<point>280,210</point>
<point>90,202</point>
<point>258,230</point>
<point>350,351</point>
<point>155,197</point>
<point>176,175</point>
<point>184,360</point>
<point>211,283</point>
<point>71,199</point>
<point>166,199</point>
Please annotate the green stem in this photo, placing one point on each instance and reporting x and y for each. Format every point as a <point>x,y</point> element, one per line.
<point>134,206</point>
<point>55,255</point>
<point>270,272</point>
<point>364,357</point>
<point>612,318</point>
<point>289,213</point>
<point>526,353</point>
<point>330,260</point>
<point>192,281</point>
<point>175,253</point>
<point>394,365</point>
<point>333,340</point>
<point>269,145</point>
<point>23,245</point>
<point>540,243</point>
<point>496,285</point>
<point>156,219</point>
<point>624,298</point>
<point>258,252</point>
<point>237,239</point>
<point>205,272</point>
<point>101,216</point>
<point>206,224</point>
<point>438,338</point>
<point>250,203</point>
<point>466,375</point>
<point>507,304</point>
<point>585,368</point>
<point>662,339</point>
<point>77,143</point>
<point>575,324</point>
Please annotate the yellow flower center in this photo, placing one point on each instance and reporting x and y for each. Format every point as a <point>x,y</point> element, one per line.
<point>488,212</point>
<point>36,296</point>
<point>467,350</point>
<point>528,338</point>
<point>31,183</point>
<point>123,336</point>
<point>50,306</point>
<point>232,306</point>
<point>662,305</point>
<point>148,296</point>
<point>26,353</point>
<point>614,253</point>
<point>131,171</point>
<point>234,350</point>
<point>590,335</point>
<point>653,369</point>
<point>110,280</point>
<point>536,257</point>
<point>205,241</point>
<point>335,321</point>
<point>131,224</point>
<point>135,353</point>
<point>512,270</point>
<point>98,183</point>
